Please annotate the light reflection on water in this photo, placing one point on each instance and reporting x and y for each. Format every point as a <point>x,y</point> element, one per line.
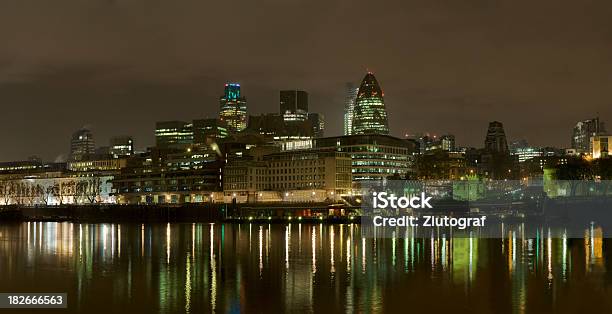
<point>193,268</point>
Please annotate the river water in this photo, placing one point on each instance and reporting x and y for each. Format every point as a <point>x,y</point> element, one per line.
<point>199,268</point>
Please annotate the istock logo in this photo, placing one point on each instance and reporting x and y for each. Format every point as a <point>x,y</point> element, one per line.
<point>381,200</point>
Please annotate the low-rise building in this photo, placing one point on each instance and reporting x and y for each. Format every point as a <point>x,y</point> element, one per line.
<point>35,183</point>
<point>190,175</point>
<point>600,146</point>
<point>295,176</point>
<point>373,156</point>
<point>161,187</point>
<point>94,163</point>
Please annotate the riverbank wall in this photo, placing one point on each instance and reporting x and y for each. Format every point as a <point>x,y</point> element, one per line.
<point>176,213</point>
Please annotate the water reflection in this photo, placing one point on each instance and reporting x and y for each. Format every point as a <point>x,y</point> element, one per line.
<point>196,268</point>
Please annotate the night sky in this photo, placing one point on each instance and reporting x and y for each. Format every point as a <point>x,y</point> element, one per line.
<point>120,65</point>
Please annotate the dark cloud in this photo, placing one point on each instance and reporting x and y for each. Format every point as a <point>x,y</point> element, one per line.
<point>120,65</point>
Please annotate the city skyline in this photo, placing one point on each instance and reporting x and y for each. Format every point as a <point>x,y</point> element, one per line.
<point>239,94</point>
<point>66,155</point>
<point>448,68</point>
<point>306,156</point>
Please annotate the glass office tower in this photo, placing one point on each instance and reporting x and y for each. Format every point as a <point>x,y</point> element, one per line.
<point>370,115</point>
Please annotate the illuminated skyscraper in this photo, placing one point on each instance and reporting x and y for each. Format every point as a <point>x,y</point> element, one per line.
<point>584,131</point>
<point>233,111</point>
<point>294,105</point>
<point>349,107</point>
<point>370,115</point>
<point>82,144</point>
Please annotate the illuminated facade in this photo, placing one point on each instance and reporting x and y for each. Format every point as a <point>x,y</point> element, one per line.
<point>173,134</point>
<point>21,167</point>
<point>349,107</point>
<point>370,115</point>
<point>434,143</point>
<point>294,105</point>
<point>121,146</point>
<point>233,110</point>
<point>96,164</point>
<point>42,184</point>
<point>583,131</point>
<point>600,146</point>
<point>193,158</point>
<point>206,131</point>
<point>160,176</point>
<point>373,156</point>
<point>309,169</point>
<point>273,125</point>
<point>441,164</point>
<point>317,122</point>
<point>163,187</point>
<point>448,142</point>
<point>58,190</point>
<point>526,153</point>
<point>303,176</point>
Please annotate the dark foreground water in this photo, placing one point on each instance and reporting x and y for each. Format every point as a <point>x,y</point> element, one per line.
<point>198,268</point>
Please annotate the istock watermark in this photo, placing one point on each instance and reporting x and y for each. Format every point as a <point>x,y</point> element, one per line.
<point>485,208</point>
<point>383,200</point>
<point>429,221</point>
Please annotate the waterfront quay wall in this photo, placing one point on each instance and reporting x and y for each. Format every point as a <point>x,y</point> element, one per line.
<point>170,213</point>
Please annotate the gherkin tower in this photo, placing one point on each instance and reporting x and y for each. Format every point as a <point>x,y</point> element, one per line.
<point>370,115</point>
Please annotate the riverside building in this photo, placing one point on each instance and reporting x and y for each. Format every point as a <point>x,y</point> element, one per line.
<point>373,156</point>
<point>35,183</point>
<point>293,176</point>
<point>192,175</point>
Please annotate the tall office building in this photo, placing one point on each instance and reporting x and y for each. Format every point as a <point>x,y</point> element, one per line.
<point>206,131</point>
<point>317,122</point>
<point>429,143</point>
<point>522,150</point>
<point>294,105</point>
<point>82,144</point>
<point>233,110</point>
<point>121,146</point>
<point>370,115</point>
<point>518,144</point>
<point>583,131</point>
<point>173,134</point>
<point>447,142</point>
<point>273,125</point>
<point>496,138</point>
<point>349,107</point>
